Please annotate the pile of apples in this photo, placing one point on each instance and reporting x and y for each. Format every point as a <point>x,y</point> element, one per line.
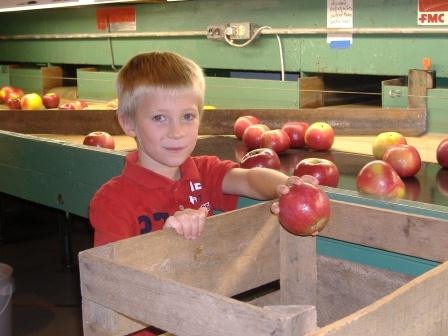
<point>293,134</point>
<point>16,99</point>
<point>395,162</point>
<point>264,145</point>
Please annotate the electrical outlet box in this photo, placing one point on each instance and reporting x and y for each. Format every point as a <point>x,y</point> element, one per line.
<point>233,31</point>
<point>240,30</point>
<point>216,32</point>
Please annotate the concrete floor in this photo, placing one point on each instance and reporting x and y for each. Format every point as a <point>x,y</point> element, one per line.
<point>47,298</point>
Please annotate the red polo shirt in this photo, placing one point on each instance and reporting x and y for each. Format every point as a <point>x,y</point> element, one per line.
<point>140,200</point>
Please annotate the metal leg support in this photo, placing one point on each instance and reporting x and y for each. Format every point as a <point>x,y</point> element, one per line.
<point>65,238</point>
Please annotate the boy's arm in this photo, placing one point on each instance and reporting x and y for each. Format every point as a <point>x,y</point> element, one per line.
<point>257,183</point>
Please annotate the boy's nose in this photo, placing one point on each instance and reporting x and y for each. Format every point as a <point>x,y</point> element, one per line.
<point>175,130</point>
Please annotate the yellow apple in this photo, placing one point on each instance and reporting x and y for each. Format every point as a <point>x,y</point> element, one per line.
<point>384,140</point>
<point>31,101</point>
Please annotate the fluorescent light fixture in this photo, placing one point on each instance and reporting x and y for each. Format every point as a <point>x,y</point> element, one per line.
<point>22,5</point>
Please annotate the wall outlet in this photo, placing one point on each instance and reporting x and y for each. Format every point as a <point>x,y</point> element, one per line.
<point>216,32</point>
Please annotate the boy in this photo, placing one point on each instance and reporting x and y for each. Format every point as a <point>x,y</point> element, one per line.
<point>160,98</point>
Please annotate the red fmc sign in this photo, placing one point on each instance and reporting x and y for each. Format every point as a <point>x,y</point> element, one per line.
<point>432,12</point>
<point>431,18</point>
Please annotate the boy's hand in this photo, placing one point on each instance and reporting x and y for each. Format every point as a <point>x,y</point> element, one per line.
<point>284,188</point>
<point>188,222</point>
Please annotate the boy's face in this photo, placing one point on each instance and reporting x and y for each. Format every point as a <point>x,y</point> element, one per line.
<point>166,127</point>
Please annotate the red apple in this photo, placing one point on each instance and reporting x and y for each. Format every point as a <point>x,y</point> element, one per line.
<point>74,105</point>
<point>261,157</point>
<point>296,132</point>
<point>442,181</point>
<point>13,102</point>
<point>276,139</point>
<point>252,135</point>
<point>99,139</point>
<point>379,178</point>
<point>31,101</point>
<point>304,210</point>
<point>51,100</point>
<point>442,153</point>
<point>405,159</point>
<point>319,136</point>
<point>4,91</point>
<point>325,171</point>
<point>242,123</point>
<point>67,106</point>
<point>8,90</point>
<point>384,140</point>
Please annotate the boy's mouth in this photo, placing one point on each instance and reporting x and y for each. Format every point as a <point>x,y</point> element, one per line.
<point>174,149</point>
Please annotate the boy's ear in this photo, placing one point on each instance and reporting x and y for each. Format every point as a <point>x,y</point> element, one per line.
<point>127,124</point>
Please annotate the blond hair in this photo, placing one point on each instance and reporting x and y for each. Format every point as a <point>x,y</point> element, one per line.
<point>148,72</point>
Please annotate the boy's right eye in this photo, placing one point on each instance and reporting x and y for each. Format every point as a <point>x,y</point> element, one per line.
<point>158,118</point>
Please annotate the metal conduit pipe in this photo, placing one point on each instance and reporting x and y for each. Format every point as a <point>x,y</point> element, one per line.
<point>102,35</point>
<point>364,31</point>
<point>266,31</point>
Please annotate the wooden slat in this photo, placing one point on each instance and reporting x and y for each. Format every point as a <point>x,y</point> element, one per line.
<point>311,92</point>
<point>211,262</point>
<point>389,230</point>
<point>172,306</point>
<point>419,308</point>
<point>419,81</point>
<point>60,121</point>
<point>102,321</point>
<point>345,120</point>
<point>51,77</point>
<point>302,318</point>
<point>298,269</point>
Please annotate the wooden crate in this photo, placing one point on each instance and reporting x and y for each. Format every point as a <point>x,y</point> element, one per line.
<point>188,287</point>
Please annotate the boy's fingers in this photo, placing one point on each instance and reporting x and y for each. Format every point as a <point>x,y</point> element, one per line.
<point>310,179</point>
<point>275,208</point>
<point>282,189</point>
<point>204,211</point>
<point>293,180</point>
<point>187,230</point>
<point>172,222</point>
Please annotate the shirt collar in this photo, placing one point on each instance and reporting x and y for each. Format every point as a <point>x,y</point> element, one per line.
<point>153,180</point>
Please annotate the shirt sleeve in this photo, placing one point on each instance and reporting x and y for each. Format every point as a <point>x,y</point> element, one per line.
<point>213,171</point>
<point>108,218</point>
